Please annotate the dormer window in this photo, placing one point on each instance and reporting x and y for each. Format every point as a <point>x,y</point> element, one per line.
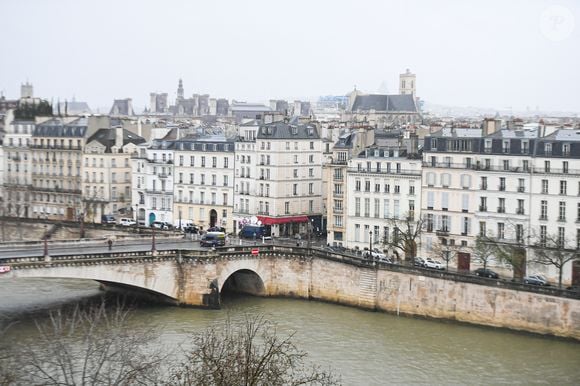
<point>294,130</point>
<point>548,149</point>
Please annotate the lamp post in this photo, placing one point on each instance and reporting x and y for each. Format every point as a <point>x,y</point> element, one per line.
<point>45,242</point>
<point>371,244</point>
<point>153,248</point>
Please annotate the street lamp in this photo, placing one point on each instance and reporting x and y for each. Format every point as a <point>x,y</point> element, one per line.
<point>45,241</point>
<point>153,248</point>
<point>370,243</point>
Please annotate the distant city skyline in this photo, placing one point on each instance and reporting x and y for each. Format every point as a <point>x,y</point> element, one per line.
<point>498,55</point>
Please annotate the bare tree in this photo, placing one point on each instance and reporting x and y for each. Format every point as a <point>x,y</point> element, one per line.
<point>483,251</point>
<point>406,233</point>
<point>510,248</point>
<point>93,346</point>
<point>249,354</point>
<point>445,251</point>
<point>551,251</point>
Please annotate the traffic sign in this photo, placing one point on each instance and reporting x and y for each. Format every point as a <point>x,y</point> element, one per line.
<point>255,251</point>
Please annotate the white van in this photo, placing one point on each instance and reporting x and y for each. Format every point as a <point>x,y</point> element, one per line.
<point>127,222</point>
<point>184,224</point>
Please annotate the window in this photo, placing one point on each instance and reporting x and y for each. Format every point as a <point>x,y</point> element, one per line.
<point>411,189</point>
<point>445,223</point>
<point>388,188</point>
<point>578,213</point>
<point>482,229</point>
<point>226,162</point>
<point>295,173</point>
<point>506,164</point>
<point>543,210</point>
<point>191,161</point>
<point>287,207</point>
<point>377,208</point>
<point>430,200</point>
<point>502,184</point>
<point>544,186</point>
<point>357,206</point>
<point>430,222</point>
<point>465,203</point>
<point>565,149</point>
<point>562,211</point>
<point>482,204</point>
<point>367,207</point>
<point>310,172</point>
<point>521,185</point>
<point>311,158</point>
<point>520,209</point>
<point>367,186</point>
<point>295,158</point>
<point>295,189</point>
<point>386,207</point>
<point>357,232</point>
<point>310,206</point>
<point>357,186</point>
<point>548,149</point>
<point>466,226</point>
<point>500,230</point>
<point>547,166</point>
<point>525,146</point>
<point>397,189</point>
<point>444,201</point>
<point>311,188</point>
<point>563,186</point>
<point>411,210</point>
<point>396,209</point>
<point>519,233</point>
<point>561,237</point>
<point>543,233</point>
<point>483,185</point>
<point>501,205</point>
<point>506,146</point>
<point>526,166</point>
<point>203,161</point>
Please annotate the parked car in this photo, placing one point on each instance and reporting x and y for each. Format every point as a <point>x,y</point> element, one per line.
<point>375,254</point>
<point>127,222</point>
<point>191,229</point>
<point>108,219</point>
<point>434,264</point>
<point>536,280</point>
<point>216,229</point>
<point>161,225</point>
<point>213,239</point>
<point>419,262</point>
<point>485,272</point>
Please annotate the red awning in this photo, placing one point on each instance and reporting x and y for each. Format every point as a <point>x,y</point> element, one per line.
<point>281,220</point>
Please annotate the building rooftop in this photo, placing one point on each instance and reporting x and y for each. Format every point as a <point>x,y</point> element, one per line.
<point>288,130</point>
<point>458,132</point>
<point>107,137</point>
<point>388,103</point>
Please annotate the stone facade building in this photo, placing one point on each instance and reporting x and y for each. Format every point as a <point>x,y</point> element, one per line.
<point>204,181</point>
<point>106,183</point>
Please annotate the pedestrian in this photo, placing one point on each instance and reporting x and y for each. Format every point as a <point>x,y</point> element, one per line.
<point>110,242</point>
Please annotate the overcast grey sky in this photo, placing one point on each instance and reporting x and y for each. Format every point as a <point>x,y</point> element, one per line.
<point>479,53</point>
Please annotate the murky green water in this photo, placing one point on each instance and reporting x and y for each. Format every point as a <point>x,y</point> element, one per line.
<point>365,348</point>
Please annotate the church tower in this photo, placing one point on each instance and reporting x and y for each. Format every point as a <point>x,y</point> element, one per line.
<point>407,83</point>
<point>180,90</point>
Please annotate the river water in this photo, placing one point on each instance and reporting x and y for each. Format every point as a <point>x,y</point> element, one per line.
<point>365,348</point>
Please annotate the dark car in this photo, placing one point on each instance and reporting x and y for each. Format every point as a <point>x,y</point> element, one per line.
<point>191,229</point>
<point>485,272</point>
<point>536,280</point>
<point>217,229</point>
<point>419,262</point>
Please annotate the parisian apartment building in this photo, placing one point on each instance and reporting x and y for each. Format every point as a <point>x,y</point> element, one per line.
<point>520,185</point>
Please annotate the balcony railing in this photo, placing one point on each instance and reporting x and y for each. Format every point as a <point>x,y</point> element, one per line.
<point>338,194</point>
<point>520,211</point>
<point>482,208</point>
<point>500,209</point>
<point>442,232</point>
<point>521,189</point>
<point>386,171</point>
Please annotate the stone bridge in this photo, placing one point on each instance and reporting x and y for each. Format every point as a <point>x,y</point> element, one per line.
<point>197,278</point>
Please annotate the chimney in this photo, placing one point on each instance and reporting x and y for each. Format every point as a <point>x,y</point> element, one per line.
<point>413,144</point>
<point>119,137</point>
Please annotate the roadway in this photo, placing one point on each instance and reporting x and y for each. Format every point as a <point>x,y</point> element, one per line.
<point>134,245</point>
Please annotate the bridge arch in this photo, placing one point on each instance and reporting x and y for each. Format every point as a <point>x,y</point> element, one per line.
<point>244,281</point>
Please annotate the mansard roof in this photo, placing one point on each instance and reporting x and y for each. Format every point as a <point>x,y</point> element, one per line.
<point>291,130</point>
<point>56,127</point>
<point>386,103</point>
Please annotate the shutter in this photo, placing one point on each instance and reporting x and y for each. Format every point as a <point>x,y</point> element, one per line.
<point>465,201</point>
<point>445,200</point>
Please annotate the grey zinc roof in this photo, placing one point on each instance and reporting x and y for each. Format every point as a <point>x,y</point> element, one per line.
<point>388,103</point>
<point>107,138</point>
<point>505,133</point>
<point>565,135</point>
<point>345,141</point>
<point>284,130</point>
<point>55,127</point>
<point>458,132</point>
<point>249,107</point>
